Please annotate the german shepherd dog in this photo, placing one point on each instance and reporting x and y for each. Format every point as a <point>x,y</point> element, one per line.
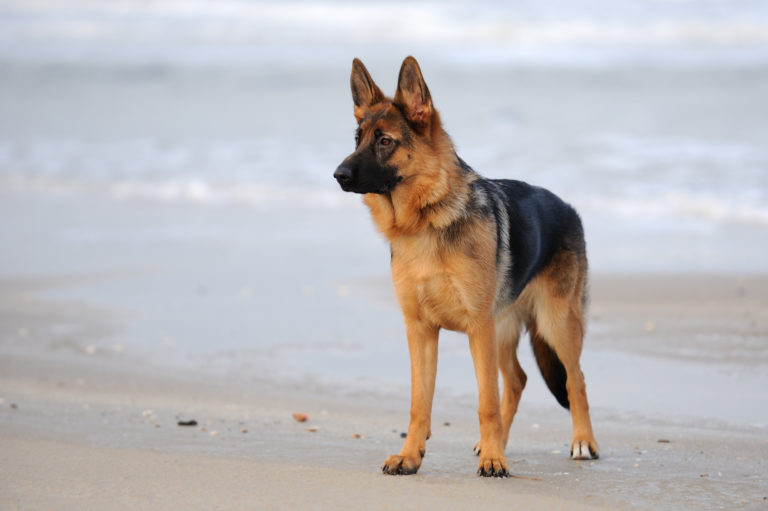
<point>482,256</point>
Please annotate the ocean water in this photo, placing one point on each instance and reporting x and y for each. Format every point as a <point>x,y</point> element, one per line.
<point>652,113</point>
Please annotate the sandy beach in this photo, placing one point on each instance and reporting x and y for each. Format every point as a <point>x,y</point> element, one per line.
<point>675,367</point>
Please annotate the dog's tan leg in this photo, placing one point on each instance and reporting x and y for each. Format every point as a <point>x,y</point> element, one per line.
<point>507,338</point>
<point>563,330</point>
<point>514,383</point>
<point>583,445</point>
<point>422,344</point>
<point>482,344</point>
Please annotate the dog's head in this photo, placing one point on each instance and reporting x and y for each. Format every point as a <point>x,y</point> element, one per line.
<point>389,131</point>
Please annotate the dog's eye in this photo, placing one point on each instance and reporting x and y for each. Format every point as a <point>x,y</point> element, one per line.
<point>385,141</point>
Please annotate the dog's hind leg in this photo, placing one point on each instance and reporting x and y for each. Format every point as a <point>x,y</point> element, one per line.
<point>507,337</point>
<point>557,333</point>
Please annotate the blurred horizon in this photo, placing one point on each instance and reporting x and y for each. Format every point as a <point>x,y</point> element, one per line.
<point>677,32</point>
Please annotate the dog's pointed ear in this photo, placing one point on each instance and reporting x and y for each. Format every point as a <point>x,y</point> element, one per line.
<point>413,95</point>
<point>364,91</point>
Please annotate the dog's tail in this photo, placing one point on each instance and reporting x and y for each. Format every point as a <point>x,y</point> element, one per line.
<point>551,367</point>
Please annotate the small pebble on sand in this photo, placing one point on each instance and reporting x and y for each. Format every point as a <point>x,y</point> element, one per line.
<point>300,417</point>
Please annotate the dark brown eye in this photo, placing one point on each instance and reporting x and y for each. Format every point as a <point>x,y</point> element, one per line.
<point>385,141</point>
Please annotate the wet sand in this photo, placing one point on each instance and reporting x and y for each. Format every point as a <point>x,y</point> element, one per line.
<point>114,326</point>
<point>75,435</point>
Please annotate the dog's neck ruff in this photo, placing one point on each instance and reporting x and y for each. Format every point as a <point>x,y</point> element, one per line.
<point>436,207</point>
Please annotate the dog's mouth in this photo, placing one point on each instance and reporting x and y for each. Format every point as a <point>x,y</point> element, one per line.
<point>390,185</point>
<point>382,190</point>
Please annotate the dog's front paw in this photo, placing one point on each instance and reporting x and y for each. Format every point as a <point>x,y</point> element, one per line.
<point>584,449</point>
<point>492,466</point>
<point>401,465</point>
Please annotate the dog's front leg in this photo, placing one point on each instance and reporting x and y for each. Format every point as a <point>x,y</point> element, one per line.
<point>422,344</point>
<point>482,343</point>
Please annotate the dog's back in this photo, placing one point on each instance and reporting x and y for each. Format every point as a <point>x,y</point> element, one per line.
<point>532,225</point>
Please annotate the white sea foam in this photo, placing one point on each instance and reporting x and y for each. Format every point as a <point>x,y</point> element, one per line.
<point>258,195</point>
<point>676,205</point>
<point>671,208</point>
<point>652,179</point>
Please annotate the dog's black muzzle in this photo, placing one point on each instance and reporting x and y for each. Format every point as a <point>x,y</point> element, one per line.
<point>366,179</point>
<point>345,176</point>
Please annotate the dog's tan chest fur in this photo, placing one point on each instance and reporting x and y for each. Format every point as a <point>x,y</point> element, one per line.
<point>442,288</point>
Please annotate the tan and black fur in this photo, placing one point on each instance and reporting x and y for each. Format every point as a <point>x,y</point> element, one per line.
<point>481,256</point>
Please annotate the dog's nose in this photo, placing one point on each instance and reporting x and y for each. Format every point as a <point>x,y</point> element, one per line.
<point>343,174</point>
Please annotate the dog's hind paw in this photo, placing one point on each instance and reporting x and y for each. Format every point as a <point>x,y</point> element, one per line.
<point>584,450</point>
